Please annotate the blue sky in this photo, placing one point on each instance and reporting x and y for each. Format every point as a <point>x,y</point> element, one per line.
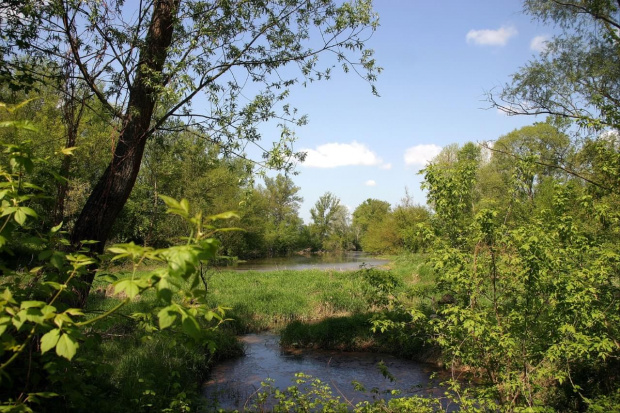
<point>439,59</point>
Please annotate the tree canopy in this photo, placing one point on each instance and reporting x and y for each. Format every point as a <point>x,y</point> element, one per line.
<point>217,67</point>
<point>577,77</point>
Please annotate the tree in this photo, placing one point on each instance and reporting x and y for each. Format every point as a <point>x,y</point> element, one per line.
<point>149,64</point>
<point>324,215</point>
<point>283,230</point>
<point>533,299</point>
<point>340,237</point>
<point>182,165</point>
<point>284,202</point>
<point>539,153</point>
<point>577,77</point>
<point>368,213</point>
<point>457,176</point>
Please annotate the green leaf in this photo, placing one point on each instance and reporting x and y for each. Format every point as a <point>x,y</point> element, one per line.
<point>223,215</point>
<point>176,207</point>
<point>31,304</point>
<point>191,327</point>
<point>54,285</point>
<point>68,151</point>
<point>66,346</point>
<point>130,287</point>
<point>58,259</point>
<point>49,340</point>
<point>20,217</point>
<point>167,316</point>
<point>4,323</point>
<point>163,290</point>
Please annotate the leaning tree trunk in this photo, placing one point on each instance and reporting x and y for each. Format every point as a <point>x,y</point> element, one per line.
<point>111,192</point>
<point>72,111</point>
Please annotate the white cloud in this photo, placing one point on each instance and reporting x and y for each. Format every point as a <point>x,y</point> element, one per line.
<point>488,37</point>
<point>421,154</point>
<point>370,182</point>
<point>539,43</point>
<point>332,155</point>
<point>386,166</point>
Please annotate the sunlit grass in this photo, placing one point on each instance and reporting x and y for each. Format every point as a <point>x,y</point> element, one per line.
<point>270,300</point>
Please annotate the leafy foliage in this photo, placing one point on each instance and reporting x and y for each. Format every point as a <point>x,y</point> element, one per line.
<point>533,306</point>
<point>40,332</point>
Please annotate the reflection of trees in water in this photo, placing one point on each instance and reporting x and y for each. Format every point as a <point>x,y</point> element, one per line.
<point>233,382</point>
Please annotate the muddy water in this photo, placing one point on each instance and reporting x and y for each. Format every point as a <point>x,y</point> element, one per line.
<point>234,384</point>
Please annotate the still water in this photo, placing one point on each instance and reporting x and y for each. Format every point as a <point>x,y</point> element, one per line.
<point>341,262</point>
<point>234,384</point>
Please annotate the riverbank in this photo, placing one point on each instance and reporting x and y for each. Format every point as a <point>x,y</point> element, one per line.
<point>319,309</point>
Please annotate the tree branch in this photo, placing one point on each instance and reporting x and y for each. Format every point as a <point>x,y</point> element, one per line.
<point>87,78</point>
<point>548,165</point>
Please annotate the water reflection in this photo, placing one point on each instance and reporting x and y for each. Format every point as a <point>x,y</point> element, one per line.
<point>342,262</point>
<point>234,383</point>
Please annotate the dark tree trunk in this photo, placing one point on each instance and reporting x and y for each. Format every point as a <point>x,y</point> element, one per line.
<point>111,192</point>
<point>73,108</point>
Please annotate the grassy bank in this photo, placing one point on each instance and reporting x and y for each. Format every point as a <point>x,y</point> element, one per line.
<point>271,300</point>
<point>326,309</point>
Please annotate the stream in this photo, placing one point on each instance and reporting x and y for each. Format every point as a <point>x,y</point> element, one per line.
<point>345,261</point>
<point>233,384</point>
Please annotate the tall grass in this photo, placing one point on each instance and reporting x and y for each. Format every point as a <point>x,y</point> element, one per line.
<point>321,308</point>
<point>270,300</point>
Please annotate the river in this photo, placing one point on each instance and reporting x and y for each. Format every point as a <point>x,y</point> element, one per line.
<point>345,261</point>
<point>233,384</point>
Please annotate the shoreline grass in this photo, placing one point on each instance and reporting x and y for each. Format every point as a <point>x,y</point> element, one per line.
<point>310,308</point>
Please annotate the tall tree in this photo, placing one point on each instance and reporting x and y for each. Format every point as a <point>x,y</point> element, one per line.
<point>369,213</point>
<point>577,77</point>
<point>149,63</point>
<point>324,216</point>
<point>284,201</point>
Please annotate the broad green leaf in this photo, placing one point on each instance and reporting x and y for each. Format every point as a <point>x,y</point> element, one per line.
<point>43,255</point>
<point>130,287</point>
<point>163,290</point>
<point>48,311</point>
<point>167,316</point>
<point>66,346</point>
<point>29,211</point>
<point>109,278</point>
<point>62,318</point>
<point>58,260</point>
<point>31,304</point>
<point>191,327</point>
<point>176,207</point>
<point>8,211</point>
<point>20,217</point>
<point>49,340</point>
